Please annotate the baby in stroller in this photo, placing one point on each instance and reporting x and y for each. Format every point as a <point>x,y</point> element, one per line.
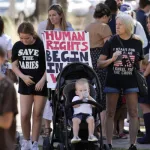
<point>82,112</point>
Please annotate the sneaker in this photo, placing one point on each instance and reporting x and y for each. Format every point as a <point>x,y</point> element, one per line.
<point>35,146</point>
<point>123,136</point>
<point>26,145</point>
<point>75,139</point>
<point>92,138</point>
<point>132,147</point>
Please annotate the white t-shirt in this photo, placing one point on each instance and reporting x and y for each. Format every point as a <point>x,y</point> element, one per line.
<point>83,108</point>
<point>140,32</point>
<point>6,42</point>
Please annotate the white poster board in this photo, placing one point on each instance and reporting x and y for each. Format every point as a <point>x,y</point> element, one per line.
<point>62,48</point>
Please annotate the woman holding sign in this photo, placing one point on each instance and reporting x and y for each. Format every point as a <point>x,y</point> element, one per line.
<point>56,21</point>
<point>99,32</point>
<point>28,62</point>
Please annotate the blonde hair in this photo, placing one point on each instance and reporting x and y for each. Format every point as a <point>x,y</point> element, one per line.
<point>127,20</point>
<point>145,60</point>
<point>81,82</point>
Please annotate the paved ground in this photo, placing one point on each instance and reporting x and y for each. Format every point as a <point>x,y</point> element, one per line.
<point>119,143</point>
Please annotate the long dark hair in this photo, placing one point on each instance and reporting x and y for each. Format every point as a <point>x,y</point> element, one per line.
<point>60,12</point>
<point>1,26</point>
<point>27,28</point>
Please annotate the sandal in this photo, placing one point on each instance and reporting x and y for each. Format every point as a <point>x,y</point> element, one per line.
<point>47,132</point>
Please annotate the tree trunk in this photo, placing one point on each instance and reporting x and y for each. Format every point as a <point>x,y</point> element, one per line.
<point>41,8</point>
<point>11,10</point>
<point>64,4</point>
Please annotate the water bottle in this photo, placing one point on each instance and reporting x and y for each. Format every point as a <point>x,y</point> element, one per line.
<point>85,95</point>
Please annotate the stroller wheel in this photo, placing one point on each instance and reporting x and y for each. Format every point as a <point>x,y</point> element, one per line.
<point>46,143</point>
<point>60,146</point>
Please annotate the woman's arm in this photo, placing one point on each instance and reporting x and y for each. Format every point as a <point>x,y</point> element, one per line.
<point>25,78</point>
<point>16,69</point>
<point>9,54</point>
<point>147,71</point>
<point>6,120</point>
<point>44,76</point>
<point>104,62</point>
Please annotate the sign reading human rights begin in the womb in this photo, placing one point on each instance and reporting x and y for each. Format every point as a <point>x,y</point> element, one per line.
<point>62,48</point>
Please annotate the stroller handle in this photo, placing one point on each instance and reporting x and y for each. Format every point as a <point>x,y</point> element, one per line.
<point>95,104</point>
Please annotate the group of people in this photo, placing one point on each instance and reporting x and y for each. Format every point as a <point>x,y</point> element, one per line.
<point>117,38</point>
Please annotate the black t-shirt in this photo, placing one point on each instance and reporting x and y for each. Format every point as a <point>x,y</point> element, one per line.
<point>31,58</point>
<point>120,73</point>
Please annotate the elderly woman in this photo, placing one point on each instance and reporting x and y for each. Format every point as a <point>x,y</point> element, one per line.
<point>120,75</point>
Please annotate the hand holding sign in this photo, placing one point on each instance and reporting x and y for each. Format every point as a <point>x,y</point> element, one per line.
<point>27,80</point>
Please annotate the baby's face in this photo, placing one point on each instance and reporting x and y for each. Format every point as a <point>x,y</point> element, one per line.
<point>80,89</point>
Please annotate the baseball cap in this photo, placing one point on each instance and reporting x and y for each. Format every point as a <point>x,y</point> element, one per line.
<point>125,7</point>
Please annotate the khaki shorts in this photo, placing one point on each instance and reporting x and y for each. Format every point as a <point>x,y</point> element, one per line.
<point>121,113</point>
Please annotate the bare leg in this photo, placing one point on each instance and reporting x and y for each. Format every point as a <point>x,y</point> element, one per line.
<point>111,102</point>
<point>39,103</point>
<point>26,102</point>
<point>47,123</point>
<point>91,125</point>
<point>76,122</point>
<point>121,126</point>
<point>103,120</point>
<point>132,101</point>
<point>115,126</point>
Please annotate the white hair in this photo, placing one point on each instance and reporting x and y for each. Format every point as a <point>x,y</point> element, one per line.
<point>127,21</point>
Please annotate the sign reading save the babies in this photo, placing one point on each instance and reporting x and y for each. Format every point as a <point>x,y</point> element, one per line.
<point>62,48</point>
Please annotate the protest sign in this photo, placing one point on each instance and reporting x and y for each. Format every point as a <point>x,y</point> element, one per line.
<point>62,48</point>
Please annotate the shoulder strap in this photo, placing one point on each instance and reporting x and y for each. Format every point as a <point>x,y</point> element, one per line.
<point>135,27</point>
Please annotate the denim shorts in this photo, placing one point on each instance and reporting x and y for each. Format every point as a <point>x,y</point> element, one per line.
<point>82,116</point>
<point>125,91</point>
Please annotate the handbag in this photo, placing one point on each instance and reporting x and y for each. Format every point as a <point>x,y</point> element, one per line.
<point>140,79</point>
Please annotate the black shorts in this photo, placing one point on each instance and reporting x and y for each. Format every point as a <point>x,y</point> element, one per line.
<point>82,116</point>
<point>30,90</point>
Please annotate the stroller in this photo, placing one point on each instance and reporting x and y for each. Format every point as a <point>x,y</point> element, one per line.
<point>63,109</point>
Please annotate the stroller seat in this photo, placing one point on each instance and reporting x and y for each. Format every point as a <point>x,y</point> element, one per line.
<point>63,110</point>
<point>69,93</point>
